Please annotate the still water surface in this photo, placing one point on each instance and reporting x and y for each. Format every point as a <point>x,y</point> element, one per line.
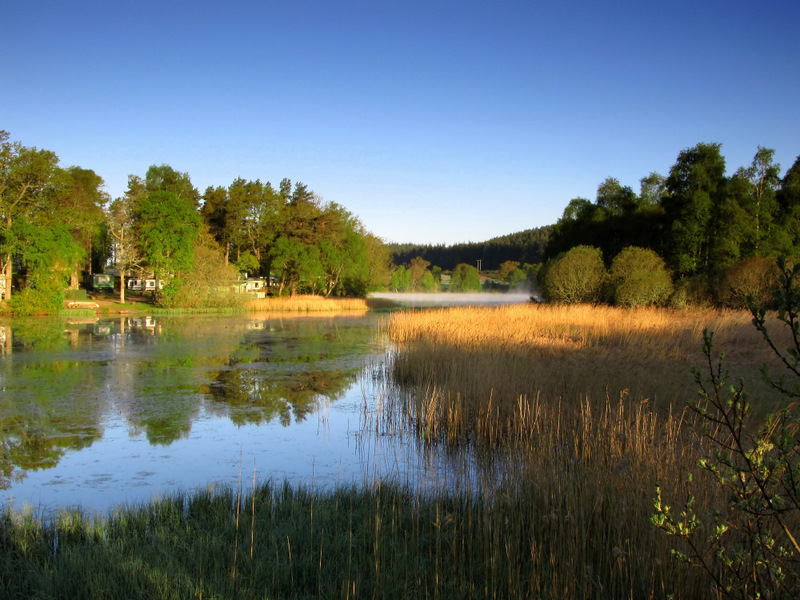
<point>102,412</point>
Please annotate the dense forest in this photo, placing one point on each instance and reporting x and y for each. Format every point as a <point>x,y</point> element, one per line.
<point>696,218</point>
<point>524,247</point>
<point>714,237</point>
<point>58,223</point>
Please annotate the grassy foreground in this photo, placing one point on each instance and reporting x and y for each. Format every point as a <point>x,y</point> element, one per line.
<point>385,542</point>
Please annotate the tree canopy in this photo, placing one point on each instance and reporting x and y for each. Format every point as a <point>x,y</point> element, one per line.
<point>697,218</point>
<point>54,221</point>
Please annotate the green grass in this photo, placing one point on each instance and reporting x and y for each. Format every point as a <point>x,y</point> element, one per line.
<point>384,542</point>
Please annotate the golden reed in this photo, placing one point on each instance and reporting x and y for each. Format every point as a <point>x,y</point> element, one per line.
<point>586,406</point>
<point>306,303</point>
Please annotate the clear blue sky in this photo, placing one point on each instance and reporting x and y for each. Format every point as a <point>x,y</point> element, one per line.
<point>434,122</point>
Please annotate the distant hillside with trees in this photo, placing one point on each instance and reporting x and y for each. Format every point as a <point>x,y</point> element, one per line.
<point>524,247</point>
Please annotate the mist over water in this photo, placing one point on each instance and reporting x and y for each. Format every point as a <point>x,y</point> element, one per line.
<point>454,298</point>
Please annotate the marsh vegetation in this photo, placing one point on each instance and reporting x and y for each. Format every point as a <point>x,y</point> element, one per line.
<point>556,423</point>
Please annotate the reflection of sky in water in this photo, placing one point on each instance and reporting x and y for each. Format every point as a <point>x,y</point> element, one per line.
<point>128,393</point>
<point>124,468</point>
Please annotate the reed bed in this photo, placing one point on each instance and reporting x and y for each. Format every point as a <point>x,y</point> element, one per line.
<point>585,410</point>
<point>474,360</point>
<point>306,303</point>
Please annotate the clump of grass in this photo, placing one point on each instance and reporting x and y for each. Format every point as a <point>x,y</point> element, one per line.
<point>306,303</point>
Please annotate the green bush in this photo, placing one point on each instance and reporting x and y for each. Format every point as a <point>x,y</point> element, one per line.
<point>209,284</point>
<point>45,299</point>
<point>401,280</point>
<point>577,275</point>
<point>638,277</point>
<point>465,278</point>
<point>692,291</point>
<point>428,282</point>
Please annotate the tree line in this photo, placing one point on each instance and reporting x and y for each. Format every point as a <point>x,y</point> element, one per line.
<point>710,231</point>
<point>58,222</point>
<point>524,247</point>
<point>716,235</point>
<point>696,218</point>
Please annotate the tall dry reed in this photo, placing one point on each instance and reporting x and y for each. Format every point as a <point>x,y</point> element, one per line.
<point>585,409</point>
<point>306,303</point>
<point>472,360</point>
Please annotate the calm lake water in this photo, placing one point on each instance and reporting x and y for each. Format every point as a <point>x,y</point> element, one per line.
<point>100,412</point>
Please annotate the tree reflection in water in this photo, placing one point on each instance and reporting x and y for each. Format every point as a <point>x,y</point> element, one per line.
<point>63,380</point>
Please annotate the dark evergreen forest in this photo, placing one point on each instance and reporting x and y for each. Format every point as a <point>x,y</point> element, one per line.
<point>525,247</point>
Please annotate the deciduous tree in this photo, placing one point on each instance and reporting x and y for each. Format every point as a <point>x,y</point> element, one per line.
<point>168,226</point>
<point>121,220</point>
<point>77,201</point>
<point>163,178</point>
<point>25,174</point>
<point>417,268</point>
<point>696,186</point>
<point>465,278</point>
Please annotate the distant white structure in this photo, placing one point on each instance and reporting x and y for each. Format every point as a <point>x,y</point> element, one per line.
<point>255,286</point>
<point>143,285</point>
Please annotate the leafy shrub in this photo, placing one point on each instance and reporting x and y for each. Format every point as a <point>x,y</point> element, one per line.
<point>401,280</point>
<point>428,283</point>
<point>517,279</point>
<point>209,284</point>
<point>247,263</point>
<point>692,291</point>
<point>44,299</point>
<point>638,277</point>
<point>756,277</point>
<point>465,278</point>
<point>576,276</point>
